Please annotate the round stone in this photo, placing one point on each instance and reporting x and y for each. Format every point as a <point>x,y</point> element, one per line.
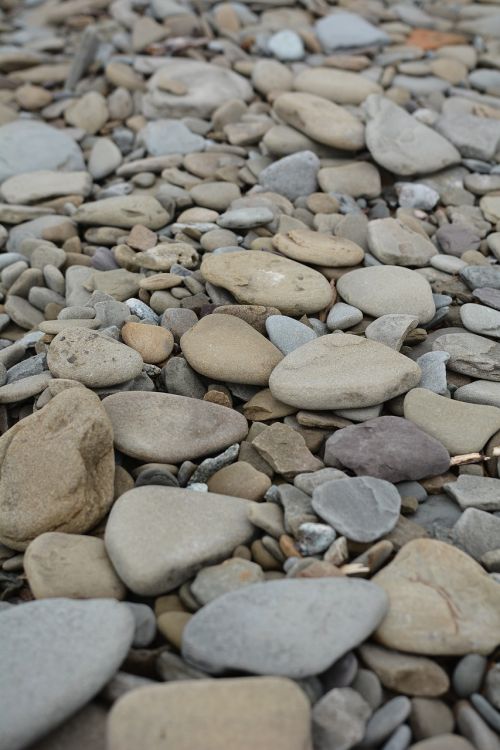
<point>379,290</point>
<point>342,371</point>
<point>154,343</point>
<point>240,479</point>
<point>259,278</point>
<point>224,347</point>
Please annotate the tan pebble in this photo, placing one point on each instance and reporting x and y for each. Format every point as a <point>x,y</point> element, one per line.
<point>141,238</point>
<point>72,566</point>
<point>218,397</point>
<point>264,406</point>
<point>321,249</point>
<point>240,479</point>
<point>32,97</point>
<point>263,557</point>
<point>153,343</point>
<point>168,603</point>
<point>160,281</point>
<point>287,545</point>
<point>123,481</point>
<point>243,552</point>
<point>319,569</point>
<point>171,625</point>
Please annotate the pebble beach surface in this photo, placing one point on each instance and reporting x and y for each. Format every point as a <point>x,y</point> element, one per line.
<point>249,375</point>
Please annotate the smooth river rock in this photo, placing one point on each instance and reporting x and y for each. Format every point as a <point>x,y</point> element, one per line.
<point>92,358</point>
<point>57,654</point>
<point>379,290</point>
<point>267,628</point>
<point>441,602</point>
<point>124,212</point>
<point>159,537</point>
<point>342,371</point>
<point>224,347</point>
<point>168,428</point>
<point>244,713</point>
<point>259,278</point>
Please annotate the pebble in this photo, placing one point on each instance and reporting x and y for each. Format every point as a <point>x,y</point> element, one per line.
<point>280,609</point>
<point>169,428</point>
<point>334,371</point>
<point>480,492</point>
<point>224,347</point>
<point>389,448</point>
<point>158,537</point>
<point>240,479</point>
<point>292,176</point>
<point>258,278</point>
<point>307,246</point>
<point>391,329</point>
<point>251,712</point>
<point>339,719</point>
<point>344,30</point>
<point>123,211</point>
<point>342,316</point>
<point>385,720</point>
<point>71,566</point>
<point>403,673</point>
<point>393,243</point>
<point>430,717</point>
<point>62,653</point>
<point>476,532</point>
<point>286,451</point>
<point>288,334</point>
<point>216,580</point>
<point>392,290</point>
<point>470,354</point>
<point>444,610</point>
<point>74,500</point>
<point>91,358</point>
<point>468,675</point>
<point>153,343</point>
<point>362,509</point>
<point>460,427</point>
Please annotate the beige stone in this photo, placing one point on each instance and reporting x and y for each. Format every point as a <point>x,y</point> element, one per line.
<point>260,278</point>
<point>286,451</point>
<point>244,713</point>
<point>254,315</point>
<point>89,112</point>
<point>226,348</point>
<point>153,343</point>
<point>92,358</point>
<point>72,566</point>
<point>124,212</point>
<point>402,673</point>
<point>63,454</point>
<point>264,406</point>
<point>342,371</point>
<point>171,625</point>
<point>442,603</point>
<point>240,480</point>
<point>168,428</point>
<point>357,179</point>
<point>307,246</point>
<point>459,426</point>
<point>339,86</point>
<point>320,119</point>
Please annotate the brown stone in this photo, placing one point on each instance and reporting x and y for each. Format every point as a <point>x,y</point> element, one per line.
<point>240,480</point>
<point>286,451</point>
<point>153,343</point>
<point>402,673</point>
<point>171,625</point>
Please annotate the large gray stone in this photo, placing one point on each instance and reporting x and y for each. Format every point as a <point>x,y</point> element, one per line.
<point>56,655</point>
<point>294,628</point>
<point>342,30</point>
<point>158,537</point>
<point>471,354</point>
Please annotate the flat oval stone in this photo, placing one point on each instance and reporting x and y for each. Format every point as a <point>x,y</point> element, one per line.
<point>124,211</point>
<point>342,371</point>
<point>481,319</point>
<point>394,243</point>
<point>92,358</point>
<point>159,537</point>
<point>360,508</point>
<point>379,290</point>
<point>320,119</point>
<point>166,428</point>
<point>260,278</point>
<point>459,426</point>
<point>224,347</point>
<point>389,448</point>
<point>244,713</point>
<point>339,86</point>
<point>262,628</point>
<point>62,652</point>
<point>441,602</point>
<point>307,246</point>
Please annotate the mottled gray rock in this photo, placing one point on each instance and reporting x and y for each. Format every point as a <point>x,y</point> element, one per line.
<point>433,366</point>
<point>389,448</point>
<point>391,329</point>
<point>339,719</point>
<point>62,652</point>
<point>477,277</point>
<point>474,137</point>
<point>343,316</point>
<point>470,354</point>
<point>262,628</point>
<point>342,30</point>
<point>292,176</point>
<point>308,481</point>
<point>393,242</point>
<point>456,239</point>
<point>181,380</point>
<point>481,319</point>
<point>362,508</point>
<point>163,137</point>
